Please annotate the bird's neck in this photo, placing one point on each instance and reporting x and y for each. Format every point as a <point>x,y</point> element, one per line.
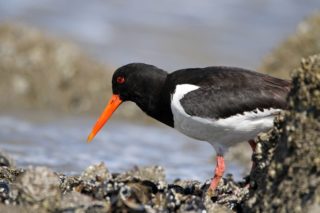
<point>156,101</point>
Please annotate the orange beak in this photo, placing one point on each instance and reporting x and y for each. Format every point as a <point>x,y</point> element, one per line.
<point>113,104</point>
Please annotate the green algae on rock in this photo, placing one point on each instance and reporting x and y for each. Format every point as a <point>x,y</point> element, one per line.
<point>303,43</point>
<point>287,175</point>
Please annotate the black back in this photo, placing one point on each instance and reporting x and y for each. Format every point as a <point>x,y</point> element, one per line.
<point>227,91</point>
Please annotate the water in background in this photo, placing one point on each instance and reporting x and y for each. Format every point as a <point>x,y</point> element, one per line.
<point>60,143</point>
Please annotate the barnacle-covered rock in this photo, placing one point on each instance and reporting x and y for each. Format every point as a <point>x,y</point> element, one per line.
<point>287,178</point>
<point>33,65</point>
<point>9,173</point>
<point>4,191</point>
<point>129,199</point>
<point>190,186</point>
<point>75,202</point>
<point>96,190</point>
<point>38,186</point>
<point>40,71</point>
<point>5,160</point>
<point>68,183</point>
<point>151,173</point>
<point>98,172</point>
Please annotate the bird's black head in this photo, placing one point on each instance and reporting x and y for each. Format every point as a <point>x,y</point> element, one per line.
<point>137,82</point>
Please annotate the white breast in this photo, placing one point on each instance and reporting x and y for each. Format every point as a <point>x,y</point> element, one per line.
<point>221,133</point>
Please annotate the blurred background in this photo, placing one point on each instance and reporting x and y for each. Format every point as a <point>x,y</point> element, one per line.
<point>57,57</point>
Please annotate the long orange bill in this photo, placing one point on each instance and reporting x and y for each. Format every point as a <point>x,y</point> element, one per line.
<point>113,104</point>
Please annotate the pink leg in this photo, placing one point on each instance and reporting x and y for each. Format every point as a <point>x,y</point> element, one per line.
<point>218,172</point>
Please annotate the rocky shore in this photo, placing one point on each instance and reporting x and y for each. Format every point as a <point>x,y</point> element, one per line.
<point>286,177</point>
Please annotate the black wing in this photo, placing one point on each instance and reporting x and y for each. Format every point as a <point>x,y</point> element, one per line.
<point>228,91</point>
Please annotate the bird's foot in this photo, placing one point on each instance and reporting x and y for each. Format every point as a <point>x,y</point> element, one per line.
<point>218,173</point>
<point>213,186</point>
<point>210,192</point>
<point>215,182</point>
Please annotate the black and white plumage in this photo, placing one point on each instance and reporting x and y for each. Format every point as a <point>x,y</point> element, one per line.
<point>220,105</point>
<point>224,105</point>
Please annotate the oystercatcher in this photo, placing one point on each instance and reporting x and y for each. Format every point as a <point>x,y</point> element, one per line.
<point>220,105</point>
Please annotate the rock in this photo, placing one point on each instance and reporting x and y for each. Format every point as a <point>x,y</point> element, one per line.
<point>39,186</point>
<point>287,178</point>
<point>75,201</point>
<point>130,199</point>
<point>96,190</point>
<point>190,186</point>
<point>98,172</point>
<point>20,85</point>
<point>39,72</point>
<point>151,173</point>
<point>34,64</point>
<point>16,209</point>
<point>192,204</point>
<point>5,160</point>
<point>4,191</point>
<point>9,174</point>
<point>68,183</point>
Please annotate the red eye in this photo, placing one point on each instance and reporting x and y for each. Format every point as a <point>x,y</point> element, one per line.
<point>120,80</point>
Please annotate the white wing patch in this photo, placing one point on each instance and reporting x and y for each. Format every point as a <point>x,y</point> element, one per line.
<point>179,93</point>
<point>221,133</point>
